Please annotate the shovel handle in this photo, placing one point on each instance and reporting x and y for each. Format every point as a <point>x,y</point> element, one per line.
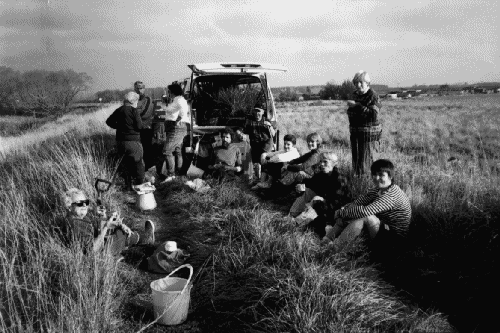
<point>100,180</point>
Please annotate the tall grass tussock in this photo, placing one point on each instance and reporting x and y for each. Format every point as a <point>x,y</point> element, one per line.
<point>262,274</point>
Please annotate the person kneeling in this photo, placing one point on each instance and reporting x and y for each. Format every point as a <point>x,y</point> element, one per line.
<point>226,159</point>
<point>384,211</point>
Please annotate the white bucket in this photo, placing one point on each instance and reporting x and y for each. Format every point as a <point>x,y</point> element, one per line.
<point>146,200</point>
<point>171,296</point>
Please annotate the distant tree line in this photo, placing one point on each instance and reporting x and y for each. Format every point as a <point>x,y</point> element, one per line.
<point>116,95</point>
<point>337,91</point>
<point>40,92</point>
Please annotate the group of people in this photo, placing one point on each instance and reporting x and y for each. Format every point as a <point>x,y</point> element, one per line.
<point>384,211</point>
<point>134,133</point>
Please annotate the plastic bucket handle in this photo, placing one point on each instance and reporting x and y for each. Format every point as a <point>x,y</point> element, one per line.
<point>190,275</point>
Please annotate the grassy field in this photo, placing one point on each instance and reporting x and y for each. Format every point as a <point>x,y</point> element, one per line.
<point>254,271</point>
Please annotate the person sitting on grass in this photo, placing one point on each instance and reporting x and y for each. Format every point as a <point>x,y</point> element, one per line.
<point>328,185</point>
<point>384,211</point>
<point>261,134</point>
<point>226,158</point>
<point>303,167</point>
<point>99,233</point>
<point>273,162</point>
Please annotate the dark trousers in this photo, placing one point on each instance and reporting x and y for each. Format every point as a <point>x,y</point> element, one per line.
<point>147,147</point>
<point>273,170</point>
<point>118,241</point>
<point>132,158</point>
<point>363,149</point>
<point>318,225</point>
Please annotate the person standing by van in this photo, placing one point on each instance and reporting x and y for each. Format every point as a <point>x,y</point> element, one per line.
<point>176,122</point>
<point>261,134</point>
<point>146,110</point>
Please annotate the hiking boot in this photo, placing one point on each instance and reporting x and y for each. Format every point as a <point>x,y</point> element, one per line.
<point>149,230</point>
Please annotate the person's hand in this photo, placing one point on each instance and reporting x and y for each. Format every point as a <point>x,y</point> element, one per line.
<point>114,221</point>
<point>101,211</point>
<point>126,229</point>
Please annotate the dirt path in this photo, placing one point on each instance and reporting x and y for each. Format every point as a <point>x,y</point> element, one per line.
<point>172,224</point>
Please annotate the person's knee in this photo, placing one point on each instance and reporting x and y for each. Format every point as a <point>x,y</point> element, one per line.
<point>372,221</point>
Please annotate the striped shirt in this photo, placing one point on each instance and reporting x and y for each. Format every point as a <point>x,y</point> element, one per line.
<point>392,207</point>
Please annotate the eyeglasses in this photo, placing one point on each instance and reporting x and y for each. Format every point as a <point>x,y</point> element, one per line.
<point>81,203</point>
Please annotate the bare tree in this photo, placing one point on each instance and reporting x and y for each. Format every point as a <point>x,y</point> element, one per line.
<point>8,83</point>
<point>50,93</point>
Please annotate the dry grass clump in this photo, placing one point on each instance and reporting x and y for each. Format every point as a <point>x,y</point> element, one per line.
<point>45,285</point>
<point>445,154</point>
<point>262,273</point>
<point>266,275</point>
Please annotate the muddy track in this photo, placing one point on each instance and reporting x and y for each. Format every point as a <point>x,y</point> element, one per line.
<point>173,223</point>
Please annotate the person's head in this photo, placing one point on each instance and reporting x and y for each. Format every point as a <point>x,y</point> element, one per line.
<point>289,141</point>
<point>76,202</point>
<point>361,81</point>
<point>139,88</point>
<point>131,98</point>
<point>175,89</point>
<point>226,136</point>
<point>327,161</point>
<point>239,133</point>
<point>258,113</point>
<point>382,173</point>
<point>314,141</point>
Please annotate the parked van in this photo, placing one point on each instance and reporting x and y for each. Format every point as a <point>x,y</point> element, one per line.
<point>224,94</point>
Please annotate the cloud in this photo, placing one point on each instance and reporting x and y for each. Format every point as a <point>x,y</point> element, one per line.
<point>37,15</point>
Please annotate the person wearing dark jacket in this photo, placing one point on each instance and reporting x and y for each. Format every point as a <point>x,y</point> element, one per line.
<point>128,124</point>
<point>146,109</point>
<point>364,124</point>
<point>328,186</point>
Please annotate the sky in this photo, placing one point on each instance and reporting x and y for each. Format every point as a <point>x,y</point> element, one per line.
<point>116,42</point>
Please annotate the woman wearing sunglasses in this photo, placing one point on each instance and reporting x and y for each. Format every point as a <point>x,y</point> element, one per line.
<point>99,232</point>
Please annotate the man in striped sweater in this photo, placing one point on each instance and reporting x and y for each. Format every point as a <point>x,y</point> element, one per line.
<point>384,211</point>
